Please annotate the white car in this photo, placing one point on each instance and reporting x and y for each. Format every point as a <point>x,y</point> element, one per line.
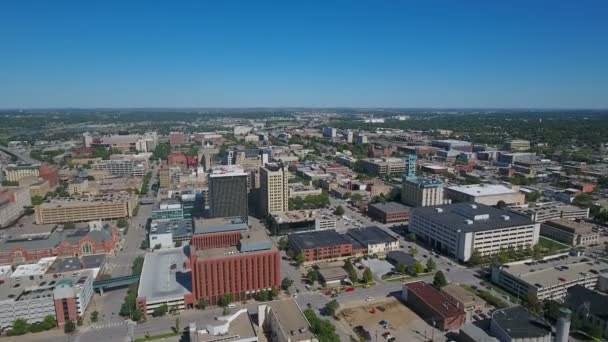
<point>369,299</point>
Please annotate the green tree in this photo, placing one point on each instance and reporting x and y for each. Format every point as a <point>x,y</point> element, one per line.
<point>439,280</point>
<point>299,259</point>
<point>37,200</point>
<point>138,265</point>
<point>20,327</point>
<point>339,211</point>
<point>501,204</point>
<point>410,236</point>
<point>69,327</point>
<point>356,197</point>
<point>282,244</point>
<point>49,322</point>
<point>323,329</point>
<point>418,268</point>
<point>332,307</point>
<point>312,275</point>
<point>402,268</point>
<point>431,265</point>
<point>160,310</point>
<point>122,223</point>
<point>94,316</point>
<point>225,300</point>
<point>476,258</point>
<point>414,251</point>
<point>286,283</point>
<point>367,277</point>
<point>533,196</point>
<point>136,315</point>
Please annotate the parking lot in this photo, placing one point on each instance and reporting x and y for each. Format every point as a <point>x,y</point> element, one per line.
<point>401,322</point>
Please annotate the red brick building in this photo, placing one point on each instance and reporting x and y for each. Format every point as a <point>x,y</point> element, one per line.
<point>321,245</point>
<point>177,138</point>
<point>434,306</point>
<point>50,174</point>
<point>388,212</point>
<point>69,242</point>
<point>222,265</point>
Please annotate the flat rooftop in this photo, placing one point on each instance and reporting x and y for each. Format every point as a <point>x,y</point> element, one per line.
<point>434,299</point>
<point>251,241</point>
<point>163,276</point>
<point>86,201</point>
<point>424,182</point>
<point>471,217</point>
<point>461,295</point>
<point>292,319</point>
<point>318,239</point>
<point>227,171</point>
<point>571,226</point>
<point>520,323</point>
<point>69,264</point>
<point>390,207</point>
<point>295,216</point>
<point>179,228</point>
<point>371,235</point>
<point>219,225</point>
<point>483,189</point>
<point>240,327</point>
<point>556,271</point>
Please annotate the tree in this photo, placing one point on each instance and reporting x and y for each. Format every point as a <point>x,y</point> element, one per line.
<point>367,277</point>
<point>283,243</point>
<point>37,200</point>
<point>299,259</point>
<point>273,293</point>
<point>413,251</point>
<point>286,283</point>
<point>323,329</point>
<point>94,316</point>
<point>226,311</point>
<point>501,204</point>
<point>122,223</point>
<point>533,196</point>
<point>69,225</point>
<point>160,310</point>
<point>332,307</point>
<point>69,327</point>
<point>418,268</point>
<point>402,268</point>
<point>410,236</point>
<point>431,265</point>
<point>312,275</point>
<point>49,322</point>
<point>20,327</point>
<point>476,258</point>
<point>136,315</point>
<point>225,300</point>
<point>439,280</point>
<point>339,211</point>
<point>138,264</point>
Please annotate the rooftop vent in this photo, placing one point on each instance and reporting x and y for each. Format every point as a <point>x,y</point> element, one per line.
<point>439,210</point>
<point>505,217</point>
<point>468,221</point>
<point>473,206</point>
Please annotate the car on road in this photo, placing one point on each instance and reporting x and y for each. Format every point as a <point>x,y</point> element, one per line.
<point>369,299</point>
<point>350,289</point>
<point>506,297</point>
<point>231,306</point>
<point>387,335</point>
<point>335,295</point>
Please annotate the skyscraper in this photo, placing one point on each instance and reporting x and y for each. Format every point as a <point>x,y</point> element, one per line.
<point>274,192</point>
<point>228,192</point>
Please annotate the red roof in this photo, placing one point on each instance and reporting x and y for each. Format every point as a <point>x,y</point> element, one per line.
<point>434,299</point>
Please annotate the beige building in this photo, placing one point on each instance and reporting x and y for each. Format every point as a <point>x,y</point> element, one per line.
<point>422,192</point>
<point>15,172</point>
<point>464,299</point>
<point>36,185</point>
<point>274,189</point>
<point>86,209</point>
<point>570,232</point>
<point>12,203</point>
<point>488,194</point>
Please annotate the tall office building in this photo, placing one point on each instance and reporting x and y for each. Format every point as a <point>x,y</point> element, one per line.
<point>422,192</point>
<point>228,192</point>
<point>274,191</point>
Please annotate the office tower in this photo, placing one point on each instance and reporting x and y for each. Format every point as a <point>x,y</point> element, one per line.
<point>422,192</point>
<point>228,192</point>
<point>274,192</point>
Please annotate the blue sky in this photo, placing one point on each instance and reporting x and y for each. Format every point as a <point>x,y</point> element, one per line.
<point>221,53</point>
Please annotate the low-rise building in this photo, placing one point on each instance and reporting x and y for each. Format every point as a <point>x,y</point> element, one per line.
<point>165,233</point>
<point>300,221</point>
<point>547,279</point>
<point>107,207</point>
<point>463,299</point>
<point>384,166</point>
<point>433,306</point>
<point>332,276</point>
<point>589,306</point>
<point>320,245</point>
<point>544,211</point>
<point>389,212</point>
<point>12,204</point>
<point>374,239</point>
<point>301,190</point>
<point>284,321</point>
<point>461,229</point>
<point>570,232</point>
<point>488,194</point>
<point>516,324</point>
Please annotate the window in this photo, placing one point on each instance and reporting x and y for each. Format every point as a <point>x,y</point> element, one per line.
<point>87,248</point>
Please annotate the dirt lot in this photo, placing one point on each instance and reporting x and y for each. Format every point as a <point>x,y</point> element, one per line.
<point>405,325</point>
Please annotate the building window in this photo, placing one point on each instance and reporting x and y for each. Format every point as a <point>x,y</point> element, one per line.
<point>87,248</point>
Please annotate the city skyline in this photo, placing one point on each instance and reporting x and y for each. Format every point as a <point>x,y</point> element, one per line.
<point>315,54</point>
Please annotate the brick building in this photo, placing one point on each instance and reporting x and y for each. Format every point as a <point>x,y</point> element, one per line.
<point>388,212</point>
<point>321,245</point>
<point>433,305</point>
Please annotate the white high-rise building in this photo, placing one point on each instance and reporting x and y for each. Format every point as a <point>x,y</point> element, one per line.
<point>274,189</point>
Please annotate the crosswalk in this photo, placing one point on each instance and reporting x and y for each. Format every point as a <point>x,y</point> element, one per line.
<point>106,325</point>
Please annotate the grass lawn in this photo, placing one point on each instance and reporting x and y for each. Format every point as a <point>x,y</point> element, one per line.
<point>156,337</point>
<point>552,245</point>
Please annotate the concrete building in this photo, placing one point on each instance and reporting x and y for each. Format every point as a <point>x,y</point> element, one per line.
<point>301,190</point>
<point>284,321</point>
<point>228,192</point>
<point>165,233</point>
<point>588,306</point>
<point>422,192</point>
<point>389,212</point>
<point>274,191</point>
<point>488,194</point>
<point>550,280</point>
<point>518,145</point>
<point>462,228</point>
<point>168,209</point>
<point>545,211</point>
<point>348,136</point>
<point>235,327</point>
<point>165,280</point>
<point>240,269</point>
<point>463,299</point>
<point>516,324</point>
<point>374,239</point>
<point>511,158</point>
<point>107,207</point>
<point>301,220</point>
<point>12,204</point>
<point>433,306</point>
<point>453,145</point>
<point>13,172</point>
<point>131,165</point>
<point>570,232</point>
<point>384,166</point>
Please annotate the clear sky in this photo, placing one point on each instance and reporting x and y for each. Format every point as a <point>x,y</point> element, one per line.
<point>376,53</point>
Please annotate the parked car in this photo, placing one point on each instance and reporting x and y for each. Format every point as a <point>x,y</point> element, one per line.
<point>369,299</point>
<point>350,289</point>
